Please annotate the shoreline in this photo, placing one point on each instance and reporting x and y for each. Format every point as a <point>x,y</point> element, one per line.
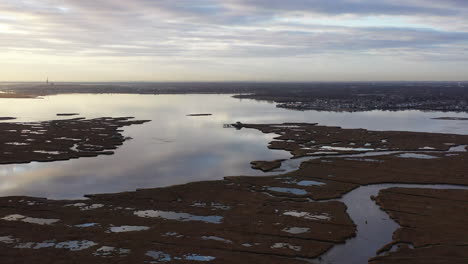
<point>335,97</point>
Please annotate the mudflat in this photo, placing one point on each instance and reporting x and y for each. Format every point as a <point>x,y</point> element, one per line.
<point>16,95</point>
<point>61,139</point>
<point>452,118</point>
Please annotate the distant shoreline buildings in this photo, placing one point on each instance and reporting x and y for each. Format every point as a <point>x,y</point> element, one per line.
<point>49,83</point>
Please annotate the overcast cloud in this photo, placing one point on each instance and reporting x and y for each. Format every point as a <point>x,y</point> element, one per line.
<point>107,40</point>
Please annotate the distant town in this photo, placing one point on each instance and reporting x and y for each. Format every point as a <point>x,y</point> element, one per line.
<point>342,96</point>
<point>383,103</point>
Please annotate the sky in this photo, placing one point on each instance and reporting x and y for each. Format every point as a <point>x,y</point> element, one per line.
<point>234,40</point>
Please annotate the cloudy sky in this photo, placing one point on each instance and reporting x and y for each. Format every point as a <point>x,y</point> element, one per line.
<point>215,40</point>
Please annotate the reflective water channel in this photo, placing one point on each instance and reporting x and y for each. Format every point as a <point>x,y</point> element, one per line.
<point>374,227</point>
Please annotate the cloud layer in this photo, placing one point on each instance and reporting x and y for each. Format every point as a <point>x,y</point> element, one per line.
<point>234,39</point>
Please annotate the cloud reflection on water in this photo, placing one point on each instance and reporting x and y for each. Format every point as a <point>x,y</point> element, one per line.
<point>174,148</point>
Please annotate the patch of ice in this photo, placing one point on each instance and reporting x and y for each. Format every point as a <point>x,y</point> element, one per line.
<point>85,207</point>
<point>7,239</point>
<point>122,229</point>
<point>461,148</point>
<point>286,246</point>
<point>76,205</point>
<point>296,230</point>
<point>287,190</point>
<point>307,215</point>
<point>86,225</point>
<point>286,126</point>
<point>212,205</point>
<point>427,148</point>
<point>26,245</point>
<point>70,245</point>
<point>196,257</point>
<point>17,144</point>
<point>173,234</point>
<point>416,156</point>
<point>159,256</point>
<point>45,244</point>
<point>76,245</point>
<point>13,217</point>
<point>107,251</point>
<point>40,221</point>
<point>220,239</point>
<point>310,183</point>
<point>30,220</point>
<point>184,217</point>
<point>48,152</point>
<point>67,138</point>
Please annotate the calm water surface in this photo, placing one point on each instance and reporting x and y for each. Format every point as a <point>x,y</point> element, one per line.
<point>174,148</point>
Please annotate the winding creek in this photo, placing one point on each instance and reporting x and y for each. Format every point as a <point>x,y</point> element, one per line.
<point>293,164</point>
<point>374,227</point>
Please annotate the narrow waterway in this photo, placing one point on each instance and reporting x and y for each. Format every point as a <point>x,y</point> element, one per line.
<point>374,227</point>
<point>292,164</point>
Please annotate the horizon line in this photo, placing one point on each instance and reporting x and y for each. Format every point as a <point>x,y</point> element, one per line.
<point>245,81</point>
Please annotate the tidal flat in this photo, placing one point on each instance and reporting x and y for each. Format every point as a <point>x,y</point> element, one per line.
<point>278,214</point>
